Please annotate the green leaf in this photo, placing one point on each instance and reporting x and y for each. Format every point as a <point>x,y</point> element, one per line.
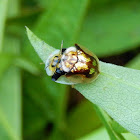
<point>10,97</point>
<point>116,90</point>
<point>3,9</point>
<point>113,26</point>
<point>108,124</point>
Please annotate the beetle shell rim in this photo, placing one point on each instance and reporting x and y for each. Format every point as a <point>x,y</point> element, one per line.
<point>52,55</point>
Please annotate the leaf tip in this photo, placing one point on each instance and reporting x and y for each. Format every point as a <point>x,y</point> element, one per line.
<point>30,35</point>
<point>27,30</point>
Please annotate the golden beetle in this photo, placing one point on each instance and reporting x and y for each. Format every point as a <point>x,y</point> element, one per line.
<point>74,63</point>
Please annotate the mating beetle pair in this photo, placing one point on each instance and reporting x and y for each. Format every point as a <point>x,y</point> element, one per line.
<point>74,63</point>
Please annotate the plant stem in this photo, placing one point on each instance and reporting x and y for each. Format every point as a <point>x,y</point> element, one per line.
<point>106,120</point>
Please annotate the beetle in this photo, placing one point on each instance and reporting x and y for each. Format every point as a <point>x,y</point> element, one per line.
<point>75,63</point>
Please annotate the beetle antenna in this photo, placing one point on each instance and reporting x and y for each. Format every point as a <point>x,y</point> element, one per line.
<point>46,67</point>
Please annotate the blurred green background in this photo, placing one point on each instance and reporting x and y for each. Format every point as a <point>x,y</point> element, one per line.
<point>32,107</point>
